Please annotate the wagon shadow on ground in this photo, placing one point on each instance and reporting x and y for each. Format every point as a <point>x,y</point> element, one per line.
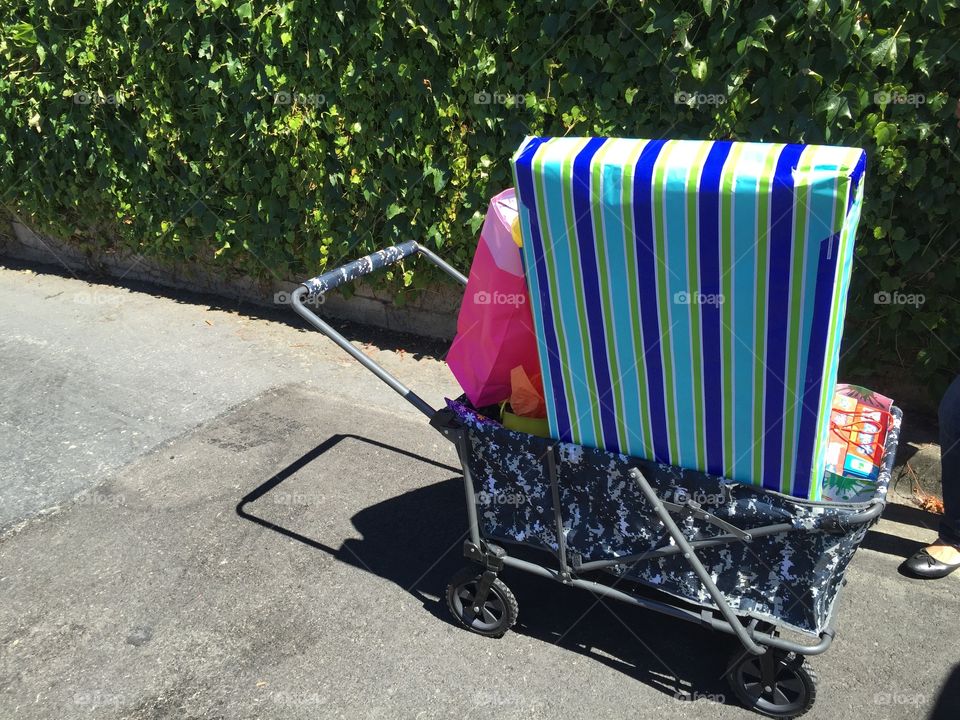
<point>878,540</point>
<point>415,541</point>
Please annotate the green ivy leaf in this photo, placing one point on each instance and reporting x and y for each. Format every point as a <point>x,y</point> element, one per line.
<point>884,53</point>
<point>22,33</point>
<point>698,68</point>
<point>885,133</point>
<point>832,106</point>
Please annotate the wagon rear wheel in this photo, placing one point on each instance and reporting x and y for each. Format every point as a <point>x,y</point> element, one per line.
<point>494,616</point>
<point>789,693</point>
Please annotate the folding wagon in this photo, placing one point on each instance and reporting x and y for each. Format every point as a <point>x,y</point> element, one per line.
<point>735,558</point>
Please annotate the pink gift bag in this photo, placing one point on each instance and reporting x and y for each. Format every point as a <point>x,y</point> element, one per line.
<point>495,325</point>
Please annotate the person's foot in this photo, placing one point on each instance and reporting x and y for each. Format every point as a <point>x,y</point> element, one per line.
<point>934,561</point>
<point>944,552</point>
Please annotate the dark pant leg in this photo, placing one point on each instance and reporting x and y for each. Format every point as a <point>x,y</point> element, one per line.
<point>950,462</point>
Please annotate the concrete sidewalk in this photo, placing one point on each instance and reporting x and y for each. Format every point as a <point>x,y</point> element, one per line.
<point>95,375</point>
<point>275,540</point>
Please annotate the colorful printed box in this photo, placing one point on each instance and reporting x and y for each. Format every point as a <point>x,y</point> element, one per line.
<point>689,297</point>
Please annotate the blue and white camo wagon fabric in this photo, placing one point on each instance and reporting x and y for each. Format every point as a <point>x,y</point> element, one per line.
<point>791,579</point>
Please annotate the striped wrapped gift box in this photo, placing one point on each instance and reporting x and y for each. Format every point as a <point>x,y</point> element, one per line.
<point>689,297</point>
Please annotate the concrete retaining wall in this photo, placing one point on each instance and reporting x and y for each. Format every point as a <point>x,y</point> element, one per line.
<point>432,314</point>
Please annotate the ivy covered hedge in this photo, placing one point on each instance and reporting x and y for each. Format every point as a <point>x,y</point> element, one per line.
<point>274,138</point>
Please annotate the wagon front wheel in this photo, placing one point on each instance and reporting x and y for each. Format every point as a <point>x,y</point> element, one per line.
<point>492,615</point>
<point>788,690</point>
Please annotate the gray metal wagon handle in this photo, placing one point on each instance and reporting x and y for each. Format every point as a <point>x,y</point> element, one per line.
<point>378,260</point>
<point>351,271</point>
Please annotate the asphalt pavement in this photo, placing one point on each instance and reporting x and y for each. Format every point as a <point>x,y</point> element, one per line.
<point>210,514</point>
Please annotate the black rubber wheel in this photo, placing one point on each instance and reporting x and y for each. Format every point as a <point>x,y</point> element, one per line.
<point>499,611</point>
<point>791,694</point>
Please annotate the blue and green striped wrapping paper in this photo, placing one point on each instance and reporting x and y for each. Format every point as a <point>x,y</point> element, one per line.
<point>689,297</point>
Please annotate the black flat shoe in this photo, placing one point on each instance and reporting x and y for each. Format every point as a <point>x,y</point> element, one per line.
<point>924,565</point>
